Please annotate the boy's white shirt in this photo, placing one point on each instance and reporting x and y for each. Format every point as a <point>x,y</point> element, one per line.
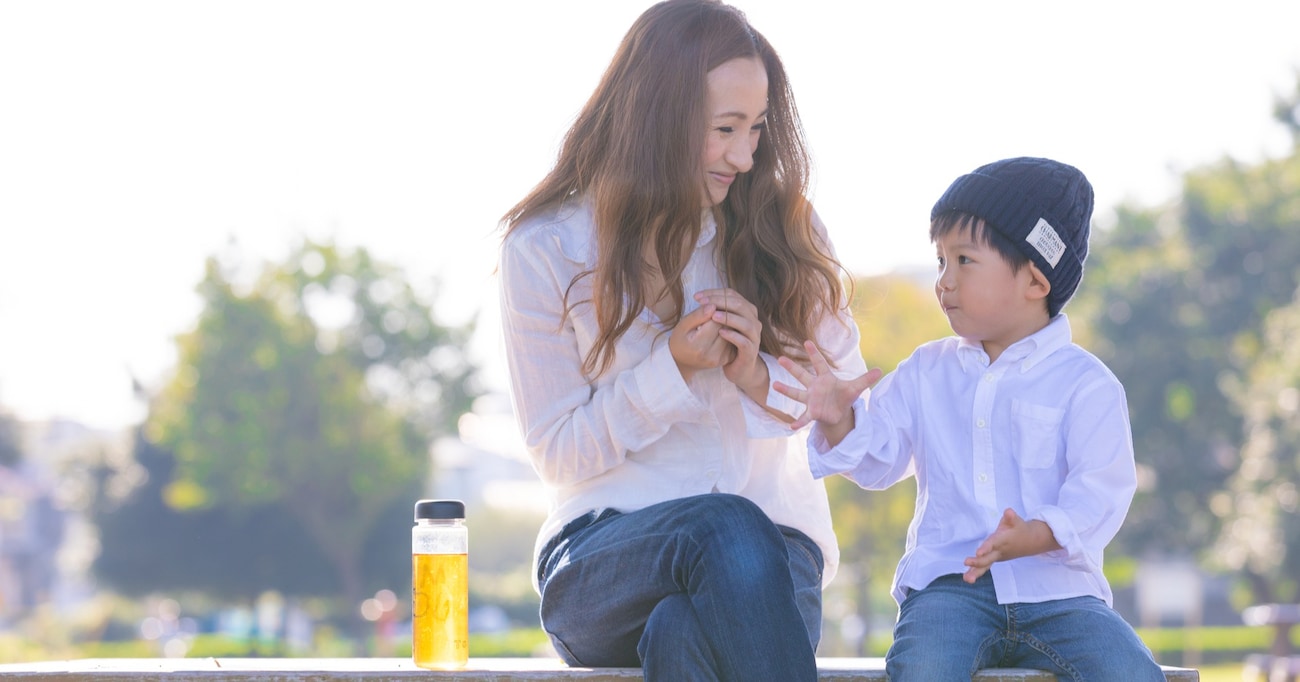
<point>1044,430</point>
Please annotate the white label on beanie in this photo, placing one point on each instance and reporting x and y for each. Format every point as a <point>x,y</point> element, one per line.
<point>1046,241</point>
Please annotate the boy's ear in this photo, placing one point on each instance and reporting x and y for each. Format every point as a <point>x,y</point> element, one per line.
<point>1039,285</point>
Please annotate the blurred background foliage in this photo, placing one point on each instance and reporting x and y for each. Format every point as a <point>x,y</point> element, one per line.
<point>284,454</point>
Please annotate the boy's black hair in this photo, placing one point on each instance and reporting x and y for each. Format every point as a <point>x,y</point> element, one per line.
<point>961,221</point>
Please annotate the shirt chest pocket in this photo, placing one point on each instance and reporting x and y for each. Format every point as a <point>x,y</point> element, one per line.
<point>1036,434</point>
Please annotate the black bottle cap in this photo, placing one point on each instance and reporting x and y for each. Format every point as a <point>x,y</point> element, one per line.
<point>439,509</point>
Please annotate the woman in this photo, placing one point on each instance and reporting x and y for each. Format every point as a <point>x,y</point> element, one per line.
<point>649,283</point>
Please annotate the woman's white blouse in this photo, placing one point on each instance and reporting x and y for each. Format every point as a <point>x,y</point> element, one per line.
<point>640,434</point>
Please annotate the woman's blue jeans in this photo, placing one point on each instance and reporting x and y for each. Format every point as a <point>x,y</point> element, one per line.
<point>950,629</point>
<point>699,588</point>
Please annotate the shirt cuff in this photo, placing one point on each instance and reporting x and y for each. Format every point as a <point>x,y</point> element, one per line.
<point>777,401</point>
<point>663,392</point>
<point>759,423</point>
<point>1072,548</point>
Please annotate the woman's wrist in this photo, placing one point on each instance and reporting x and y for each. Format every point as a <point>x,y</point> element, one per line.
<point>759,382</point>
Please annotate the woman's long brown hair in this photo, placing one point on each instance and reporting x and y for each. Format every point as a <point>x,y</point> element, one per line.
<point>635,150</point>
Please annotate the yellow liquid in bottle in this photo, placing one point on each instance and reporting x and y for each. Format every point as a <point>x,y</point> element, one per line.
<point>440,610</point>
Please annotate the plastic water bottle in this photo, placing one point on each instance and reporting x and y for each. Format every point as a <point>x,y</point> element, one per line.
<point>440,585</point>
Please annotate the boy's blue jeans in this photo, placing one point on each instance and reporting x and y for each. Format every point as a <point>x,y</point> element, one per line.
<point>699,588</point>
<point>950,629</point>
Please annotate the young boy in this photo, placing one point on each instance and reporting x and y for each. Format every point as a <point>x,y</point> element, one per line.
<point>1019,441</point>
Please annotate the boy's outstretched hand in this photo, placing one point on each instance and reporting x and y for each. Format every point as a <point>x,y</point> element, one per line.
<point>1013,538</point>
<point>828,398</point>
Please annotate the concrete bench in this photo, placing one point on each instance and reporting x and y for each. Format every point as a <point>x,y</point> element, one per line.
<point>382,669</point>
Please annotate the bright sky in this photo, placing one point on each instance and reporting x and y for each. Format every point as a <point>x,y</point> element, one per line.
<point>137,138</point>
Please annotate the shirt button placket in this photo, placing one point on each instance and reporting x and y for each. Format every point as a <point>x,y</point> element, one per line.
<point>984,440</point>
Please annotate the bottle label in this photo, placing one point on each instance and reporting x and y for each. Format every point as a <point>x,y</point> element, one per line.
<point>438,543</point>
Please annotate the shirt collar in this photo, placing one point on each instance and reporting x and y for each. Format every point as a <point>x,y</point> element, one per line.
<point>1025,353</point>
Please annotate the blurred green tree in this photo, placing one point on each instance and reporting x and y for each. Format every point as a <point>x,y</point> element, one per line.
<point>148,546</point>
<point>302,410</point>
<point>1261,536</point>
<point>1172,296</point>
<point>11,446</point>
<point>1286,109</point>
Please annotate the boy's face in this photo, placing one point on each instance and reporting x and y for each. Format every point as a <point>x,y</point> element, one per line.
<point>984,300</point>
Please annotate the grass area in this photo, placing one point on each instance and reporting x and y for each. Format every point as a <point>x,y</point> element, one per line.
<point>1223,672</point>
<point>514,643</point>
<point>1229,644</point>
<point>1223,638</point>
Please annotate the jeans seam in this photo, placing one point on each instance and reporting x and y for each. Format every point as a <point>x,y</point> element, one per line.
<point>809,548</point>
<point>1042,648</point>
<point>571,530</point>
<point>563,649</point>
<point>978,658</point>
<point>816,561</point>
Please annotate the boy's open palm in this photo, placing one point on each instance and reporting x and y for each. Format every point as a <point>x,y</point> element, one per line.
<point>828,398</point>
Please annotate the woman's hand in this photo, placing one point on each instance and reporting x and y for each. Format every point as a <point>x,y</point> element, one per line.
<point>739,326</point>
<point>696,342</point>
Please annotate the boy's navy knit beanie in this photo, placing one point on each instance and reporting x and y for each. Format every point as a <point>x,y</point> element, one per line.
<point>1041,206</point>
